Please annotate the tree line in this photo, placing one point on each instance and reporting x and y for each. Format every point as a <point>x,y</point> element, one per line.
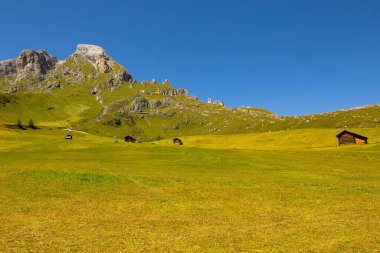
<point>30,124</point>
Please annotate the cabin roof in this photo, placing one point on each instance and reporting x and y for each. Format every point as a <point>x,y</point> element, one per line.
<point>353,134</point>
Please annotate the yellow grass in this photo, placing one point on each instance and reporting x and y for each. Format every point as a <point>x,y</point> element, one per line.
<point>237,193</point>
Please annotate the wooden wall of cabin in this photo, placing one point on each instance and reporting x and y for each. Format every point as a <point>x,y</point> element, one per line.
<point>359,141</point>
<point>346,138</point>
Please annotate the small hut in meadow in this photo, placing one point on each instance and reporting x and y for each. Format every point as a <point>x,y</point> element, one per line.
<point>129,139</point>
<point>177,141</point>
<point>69,137</point>
<point>346,137</point>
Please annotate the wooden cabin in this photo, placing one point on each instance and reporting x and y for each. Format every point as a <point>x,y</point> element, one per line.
<point>69,137</point>
<point>129,139</point>
<point>177,141</point>
<point>346,137</point>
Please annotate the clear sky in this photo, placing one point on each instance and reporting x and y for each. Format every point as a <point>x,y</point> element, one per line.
<point>289,56</point>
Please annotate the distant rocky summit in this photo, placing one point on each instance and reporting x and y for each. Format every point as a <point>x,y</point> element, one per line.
<point>91,52</point>
<point>28,63</point>
<point>99,58</point>
<point>88,61</point>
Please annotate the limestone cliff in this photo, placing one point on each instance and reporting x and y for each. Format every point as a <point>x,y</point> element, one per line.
<point>29,63</point>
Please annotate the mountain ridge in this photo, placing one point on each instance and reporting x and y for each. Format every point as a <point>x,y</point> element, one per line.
<point>90,91</point>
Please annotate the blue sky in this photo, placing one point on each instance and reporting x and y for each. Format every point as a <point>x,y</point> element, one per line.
<point>292,57</point>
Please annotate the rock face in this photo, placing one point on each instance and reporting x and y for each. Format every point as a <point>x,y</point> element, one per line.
<point>125,76</point>
<point>101,60</point>
<point>102,65</point>
<point>74,70</point>
<point>96,55</point>
<point>91,52</point>
<point>139,105</point>
<point>175,92</point>
<point>39,63</point>
<point>166,82</point>
<point>153,104</point>
<point>8,67</point>
<point>29,63</point>
<point>218,102</point>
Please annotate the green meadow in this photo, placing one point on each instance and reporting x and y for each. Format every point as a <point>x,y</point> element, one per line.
<point>285,191</point>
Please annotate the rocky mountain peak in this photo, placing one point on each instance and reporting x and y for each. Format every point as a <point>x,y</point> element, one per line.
<point>28,63</point>
<point>96,55</point>
<point>85,64</point>
<point>91,52</point>
<point>39,62</point>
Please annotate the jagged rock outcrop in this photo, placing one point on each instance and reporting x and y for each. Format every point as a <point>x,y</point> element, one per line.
<point>166,82</point>
<point>53,86</point>
<point>139,105</point>
<point>29,63</point>
<point>94,91</point>
<point>218,102</point>
<point>102,65</point>
<point>154,103</point>
<point>125,76</point>
<point>8,67</point>
<point>174,92</point>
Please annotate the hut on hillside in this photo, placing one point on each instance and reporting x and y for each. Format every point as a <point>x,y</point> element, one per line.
<point>129,139</point>
<point>177,141</point>
<point>346,137</point>
<point>69,137</point>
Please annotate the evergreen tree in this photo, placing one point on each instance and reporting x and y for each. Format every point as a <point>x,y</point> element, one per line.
<point>31,124</point>
<point>19,124</point>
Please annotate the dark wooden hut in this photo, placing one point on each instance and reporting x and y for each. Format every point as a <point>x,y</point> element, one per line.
<point>177,141</point>
<point>346,137</point>
<point>69,137</point>
<point>129,139</point>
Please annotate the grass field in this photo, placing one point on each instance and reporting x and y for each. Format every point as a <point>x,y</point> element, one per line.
<point>286,191</point>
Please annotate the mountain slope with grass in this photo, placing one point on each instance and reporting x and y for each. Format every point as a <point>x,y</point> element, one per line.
<point>91,92</point>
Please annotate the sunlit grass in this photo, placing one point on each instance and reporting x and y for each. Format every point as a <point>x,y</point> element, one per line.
<point>213,194</point>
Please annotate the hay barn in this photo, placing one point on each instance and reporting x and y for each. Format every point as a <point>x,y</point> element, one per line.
<point>129,139</point>
<point>177,141</point>
<point>346,137</point>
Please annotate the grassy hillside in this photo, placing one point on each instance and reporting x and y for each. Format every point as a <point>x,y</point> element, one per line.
<point>47,109</point>
<point>108,113</point>
<point>366,116</point>
<point>304,139</point>
<point>283,191</point>
<point>73,106</point>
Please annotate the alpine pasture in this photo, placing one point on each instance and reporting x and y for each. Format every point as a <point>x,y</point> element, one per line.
<point>285,191</point>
